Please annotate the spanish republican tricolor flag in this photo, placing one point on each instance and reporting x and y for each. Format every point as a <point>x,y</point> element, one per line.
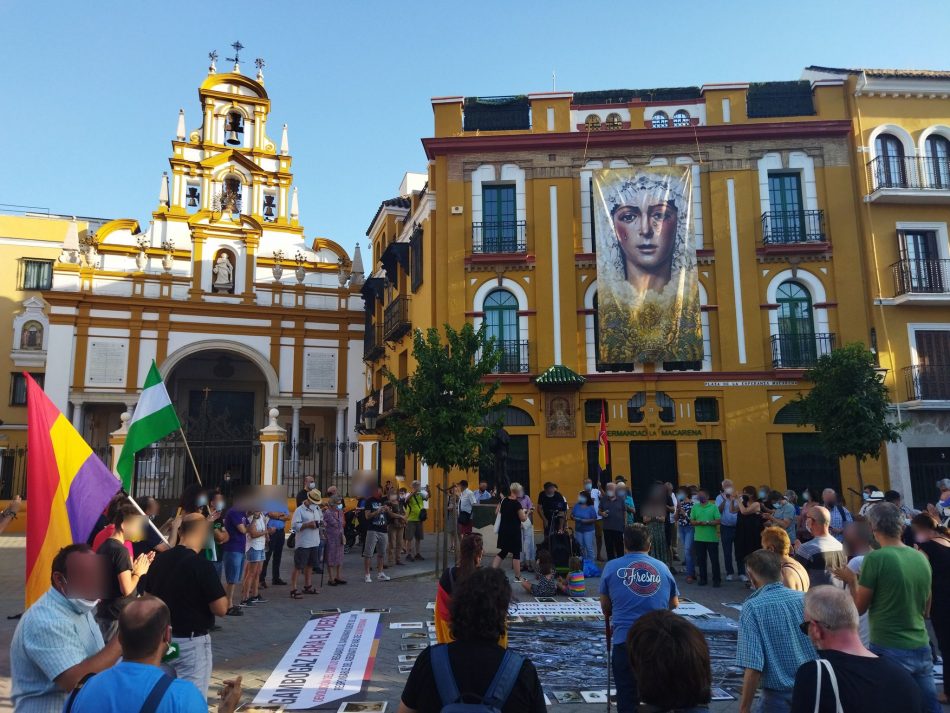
<point>603,455</point>
<point>68,488</point>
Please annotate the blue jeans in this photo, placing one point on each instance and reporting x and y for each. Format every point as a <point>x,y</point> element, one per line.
<point>727,533</point>
<point>773,701</point>
<point>686,533</point>
<point>628,693</point>
<point>585,540</point>
<point>919,664</point>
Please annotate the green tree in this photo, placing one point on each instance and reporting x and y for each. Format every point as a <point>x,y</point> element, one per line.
<point>848,405</point>
<point>446,410</point>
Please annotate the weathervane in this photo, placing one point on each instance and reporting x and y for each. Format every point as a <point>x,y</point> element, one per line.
<point>237,57</point>
<point>213,56</point>
<point>259,63</point>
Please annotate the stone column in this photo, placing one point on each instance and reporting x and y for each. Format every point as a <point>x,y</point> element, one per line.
<point>272,450</point>
<point>117,440</point>
<point>340,437</point>
<point>295,441</point>
<point>78,413</point>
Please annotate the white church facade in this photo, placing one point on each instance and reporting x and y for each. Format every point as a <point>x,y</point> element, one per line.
<point>241,311</point>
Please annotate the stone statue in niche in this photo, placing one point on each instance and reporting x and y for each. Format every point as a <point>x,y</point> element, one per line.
<point>223,272</point>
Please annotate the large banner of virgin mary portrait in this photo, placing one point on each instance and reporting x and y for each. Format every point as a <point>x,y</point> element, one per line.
<point>647,283</point>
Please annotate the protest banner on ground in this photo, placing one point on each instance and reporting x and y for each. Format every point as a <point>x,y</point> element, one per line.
<point>331,659</point>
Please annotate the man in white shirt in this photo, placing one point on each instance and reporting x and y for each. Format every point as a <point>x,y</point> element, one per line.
<point>484,494</point>
<point>466,501</point>
<point>598,525</point>
<point>306,523</point>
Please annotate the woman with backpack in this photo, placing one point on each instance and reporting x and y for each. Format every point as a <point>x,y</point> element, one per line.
<point>474,668</point>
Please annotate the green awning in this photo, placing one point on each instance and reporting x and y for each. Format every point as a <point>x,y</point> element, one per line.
<point>559,377</point>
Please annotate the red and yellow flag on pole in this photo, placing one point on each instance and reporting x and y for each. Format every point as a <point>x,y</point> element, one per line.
<point>68,487</point>
<point>603,452</point>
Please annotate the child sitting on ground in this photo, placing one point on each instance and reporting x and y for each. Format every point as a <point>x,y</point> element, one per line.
<point>573,584</point>
<point>546,584</point>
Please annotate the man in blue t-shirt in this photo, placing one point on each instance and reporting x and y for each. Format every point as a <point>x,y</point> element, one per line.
<point>144,634</point>
<point>631,586</point>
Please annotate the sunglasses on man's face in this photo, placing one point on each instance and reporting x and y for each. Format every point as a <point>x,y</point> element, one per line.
<point>803,627</point>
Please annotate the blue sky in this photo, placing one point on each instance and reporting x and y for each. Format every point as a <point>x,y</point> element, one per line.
<point>93,88</point>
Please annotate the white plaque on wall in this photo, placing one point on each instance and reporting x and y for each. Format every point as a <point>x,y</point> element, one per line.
<point>106,362</point>
<point>319,370</point>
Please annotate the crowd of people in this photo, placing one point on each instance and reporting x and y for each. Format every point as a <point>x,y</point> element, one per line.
<point>846,610</point>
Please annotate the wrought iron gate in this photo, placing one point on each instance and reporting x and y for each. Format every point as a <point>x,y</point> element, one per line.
<point>330,462</point>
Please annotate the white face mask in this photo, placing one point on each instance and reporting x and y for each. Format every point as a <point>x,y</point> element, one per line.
<point>79,605</point>
<point>730,491</point>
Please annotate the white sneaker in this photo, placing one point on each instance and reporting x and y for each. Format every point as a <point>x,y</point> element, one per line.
<point>368,578</point>
<point>383,577</point>
<point>743,578</point>
<point>730,578</point>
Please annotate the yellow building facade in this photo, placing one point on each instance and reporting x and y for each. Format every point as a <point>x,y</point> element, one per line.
<point>30,243</point>
<point>900,143</point>
<point>776,291</point>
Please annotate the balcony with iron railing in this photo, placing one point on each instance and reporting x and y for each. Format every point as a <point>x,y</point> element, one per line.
<point>919,179</point>
<point>396,319</point>
<point>799,351</point>
<point>389,399</point>
<point>924,278</point>
<point>514,357</point>
<point>499,237</point>
<point>793,227</point>
<point>374,345</point>
<point>927,382</point>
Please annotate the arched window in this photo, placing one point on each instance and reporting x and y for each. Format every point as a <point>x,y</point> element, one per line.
<point>660,120</point>
<point>510,416</point>
<point>796,327</point>
<point>502,325</point>
<point>614,121</point>
<point>31,336</point>
<point>681,118</point>
<point>635,406</point>
<point>938,161</point>
<point>592,122</point>
<point>667,412</point>
<point>889,162</point>
<point>790,414</point>
<point>234,129</point>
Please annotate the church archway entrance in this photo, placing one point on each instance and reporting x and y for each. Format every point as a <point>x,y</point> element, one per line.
<point>220,397</point>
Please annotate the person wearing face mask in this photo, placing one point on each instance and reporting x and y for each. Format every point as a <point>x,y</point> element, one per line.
<point>655,518</point>
<point>584,515</point>
<point>614,520</point>
<point>395,530</point>
<point>782,514</point>
<point>122,572</point>
<point>630,508</point>
<point>705,520</point>
<point>594,495</point>
<point>550,504</point>
<point>748,529</point>
<point>728,503</point>
<point>333,526</point>
<point>306,523</point>
<point>219,535</point>
<point>57,642</point>
<point>685,499</point>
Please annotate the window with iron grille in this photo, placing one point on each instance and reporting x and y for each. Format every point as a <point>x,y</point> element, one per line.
<point>400,461</point>
<point>660,120</point>
<point>635,406</point>
<point>592,408</point>
<point>667,411</point>
<point>415,257</point>
<point>707,410</point>
<point>36,274</point>
<point>18,387</point>
<point>681,118</point>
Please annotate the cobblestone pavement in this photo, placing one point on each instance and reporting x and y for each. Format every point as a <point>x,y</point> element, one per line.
<point>252,645</point>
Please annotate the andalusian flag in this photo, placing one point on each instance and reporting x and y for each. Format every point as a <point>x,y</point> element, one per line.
<point>68,488</point>
<point>603,455</point>
<point>153,419</point>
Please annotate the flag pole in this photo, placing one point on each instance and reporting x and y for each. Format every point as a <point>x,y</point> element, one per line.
<point>148,519</point>
<point>190,456</point>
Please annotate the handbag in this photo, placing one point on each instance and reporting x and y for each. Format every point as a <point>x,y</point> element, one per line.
<point>292,539</point>
<point>824,663</point>
<point>423,513</point>
<point>497,523</point>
